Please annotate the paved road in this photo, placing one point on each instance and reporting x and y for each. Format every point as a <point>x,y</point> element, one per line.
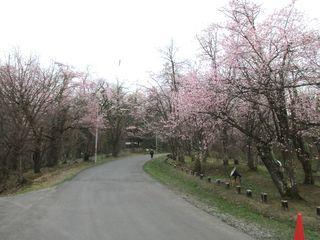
<point>114,201</point>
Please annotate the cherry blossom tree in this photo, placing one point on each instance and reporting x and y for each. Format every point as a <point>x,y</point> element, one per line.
<point>259,81</point>
<point>161,106</point>
<point>41,104</point>
<point>115,111</point>
<point>278,56</point>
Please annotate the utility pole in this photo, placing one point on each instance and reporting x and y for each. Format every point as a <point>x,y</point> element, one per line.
<point>96,140</point>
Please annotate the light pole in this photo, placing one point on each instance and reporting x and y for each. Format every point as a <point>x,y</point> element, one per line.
<point>96,140</point>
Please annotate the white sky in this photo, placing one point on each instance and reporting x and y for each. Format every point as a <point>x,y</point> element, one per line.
<point>98,33</point>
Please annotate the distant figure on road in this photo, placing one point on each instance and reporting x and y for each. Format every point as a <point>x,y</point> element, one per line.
<point>151,153</point>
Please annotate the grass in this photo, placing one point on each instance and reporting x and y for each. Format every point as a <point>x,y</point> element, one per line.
<point>268,216</point>
<point>50,177</point>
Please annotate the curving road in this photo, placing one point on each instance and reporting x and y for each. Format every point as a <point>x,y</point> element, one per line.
<point>114,201</point>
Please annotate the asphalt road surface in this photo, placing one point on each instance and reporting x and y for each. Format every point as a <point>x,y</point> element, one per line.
<point>114,201</point>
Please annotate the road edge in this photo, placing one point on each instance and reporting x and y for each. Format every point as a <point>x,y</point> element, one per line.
<point>256,231</point>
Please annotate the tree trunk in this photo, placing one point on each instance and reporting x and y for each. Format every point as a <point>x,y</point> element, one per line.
<point>180,155</point>
<point>318,165</point>
<point>250,159</point>
<point>53,153</point>
<point>300,150</point>
<point>289,184</point>
<point>197,165</point>
<point>252,164</point>
<point>304,158</point>
<point>317,143</point>
<point>86,157</point>
<point>37,153</point>
<point>55,142</point>
<point>115,150</point>
<point>174,154</point>
<point>224,147</point>
<point>115,144</point>
<point>173,148</point>
<point>205,155</point>
<point>37,160</point>
<point>285,183</point>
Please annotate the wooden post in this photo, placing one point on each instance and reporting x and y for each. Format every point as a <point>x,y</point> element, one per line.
<point>249,193</point>
<point>209,180</point>
<point>284,204</point>
<point>264,197</point>
<point>238,189</point>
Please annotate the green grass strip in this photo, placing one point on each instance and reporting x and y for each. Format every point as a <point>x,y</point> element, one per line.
<point>167,175</point>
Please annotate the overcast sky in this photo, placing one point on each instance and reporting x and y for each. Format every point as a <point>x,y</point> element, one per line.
<point>98,33</point>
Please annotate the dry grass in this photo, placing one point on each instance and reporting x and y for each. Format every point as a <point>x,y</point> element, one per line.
<point>51,176</point>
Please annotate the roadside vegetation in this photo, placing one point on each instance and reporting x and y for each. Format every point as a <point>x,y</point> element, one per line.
<point>52,114</point>
<point>252,97</point>
<point>252,103</point>
<point>52,176</point>
<point>273,222</point>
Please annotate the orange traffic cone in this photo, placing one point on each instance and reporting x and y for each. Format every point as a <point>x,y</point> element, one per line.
<point>299,233</point>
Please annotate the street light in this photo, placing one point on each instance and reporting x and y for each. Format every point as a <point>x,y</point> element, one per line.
<point>96,140</point>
